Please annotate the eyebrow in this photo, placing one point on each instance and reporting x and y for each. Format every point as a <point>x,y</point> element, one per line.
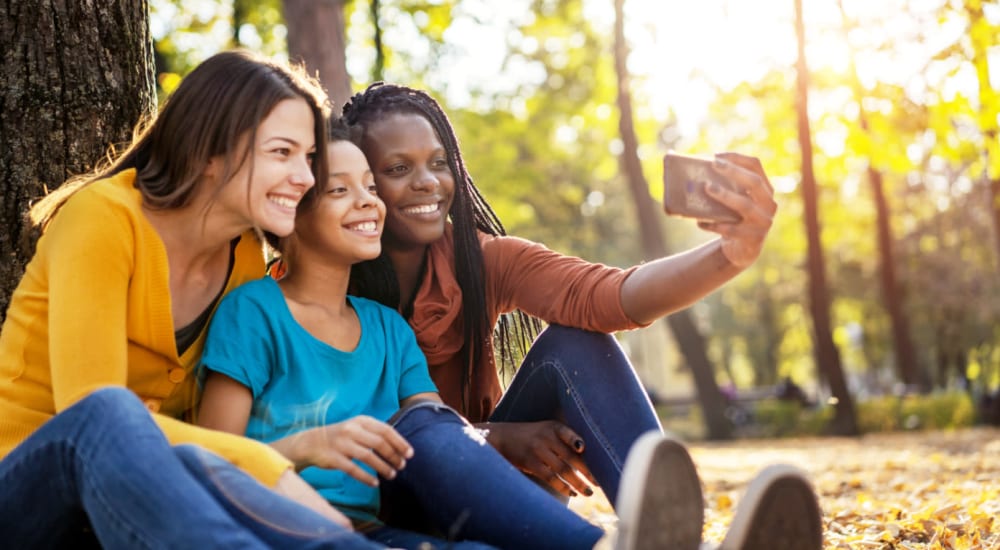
<point>288,140</point>
<point>348,174</point>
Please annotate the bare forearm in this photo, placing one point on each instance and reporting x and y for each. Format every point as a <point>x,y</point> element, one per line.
<point>290,447</point>
<point>666,285</point>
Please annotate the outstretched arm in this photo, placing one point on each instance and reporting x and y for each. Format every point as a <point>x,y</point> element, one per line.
<point>669,284</point>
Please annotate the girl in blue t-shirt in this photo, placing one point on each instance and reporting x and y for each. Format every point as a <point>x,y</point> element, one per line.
<point>339,385</point>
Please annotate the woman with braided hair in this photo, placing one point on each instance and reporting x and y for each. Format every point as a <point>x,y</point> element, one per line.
<point>575,406</point>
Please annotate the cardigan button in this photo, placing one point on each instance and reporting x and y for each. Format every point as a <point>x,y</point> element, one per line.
<point>176,375</point>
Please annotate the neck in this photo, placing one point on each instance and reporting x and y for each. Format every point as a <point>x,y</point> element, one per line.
<point>407,263</point>
<point>311,280</point>
<point>192,236</point>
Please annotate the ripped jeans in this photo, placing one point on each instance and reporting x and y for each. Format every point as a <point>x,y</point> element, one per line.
<point>468,491</point>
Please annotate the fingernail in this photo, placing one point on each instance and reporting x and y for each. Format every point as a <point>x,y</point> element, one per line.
<point>721,162</point>
<point>713,187</point>
<point>409,453</point>
<point>578,445</point>
<point>572,493</point>
<point>402,464</point>
<point>588,491</point>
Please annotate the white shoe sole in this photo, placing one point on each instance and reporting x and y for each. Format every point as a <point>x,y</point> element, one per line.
<point>778,512</point>
<point>659,502</point>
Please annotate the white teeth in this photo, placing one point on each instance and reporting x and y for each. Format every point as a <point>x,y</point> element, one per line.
<point>366,227</point>
<point>283,202</point>
<point>422,209</point>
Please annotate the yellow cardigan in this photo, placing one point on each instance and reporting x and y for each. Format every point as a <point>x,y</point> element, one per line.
<point>93,310</point>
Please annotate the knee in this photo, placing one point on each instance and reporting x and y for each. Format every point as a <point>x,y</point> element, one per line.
<point>424,413</point>
<point>189,454</point>
<point>109,403</point>
<point>557,341</point>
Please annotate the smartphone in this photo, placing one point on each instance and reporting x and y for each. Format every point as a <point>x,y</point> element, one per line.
<point>684,181</point>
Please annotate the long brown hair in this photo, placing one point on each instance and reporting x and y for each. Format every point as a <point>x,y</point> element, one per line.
<point>223,99</point>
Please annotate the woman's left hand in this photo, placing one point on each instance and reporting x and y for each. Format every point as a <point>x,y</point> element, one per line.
<point>753,200</point>
<point>549,451</point>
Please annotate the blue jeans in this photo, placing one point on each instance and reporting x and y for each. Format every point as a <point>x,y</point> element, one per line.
<point>585,380</point>
<point>469,492</point>
<point>102,473</point>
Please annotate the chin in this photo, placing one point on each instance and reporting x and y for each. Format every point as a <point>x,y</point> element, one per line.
<point>281,228</point>
<point>428,236</point>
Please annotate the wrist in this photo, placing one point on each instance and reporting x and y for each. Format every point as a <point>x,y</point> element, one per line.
<point>294,448</point>
<point>724,260</point>
<point>490,433</point>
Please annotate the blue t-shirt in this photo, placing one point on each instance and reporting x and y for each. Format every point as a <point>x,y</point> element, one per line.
<point>299,382</point>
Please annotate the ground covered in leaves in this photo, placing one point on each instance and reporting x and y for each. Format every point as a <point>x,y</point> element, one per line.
<point>920,490</point>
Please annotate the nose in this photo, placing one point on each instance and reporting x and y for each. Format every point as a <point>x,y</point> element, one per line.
<point>302,174</point>
<point>425,180</point>
<point>365,199</point>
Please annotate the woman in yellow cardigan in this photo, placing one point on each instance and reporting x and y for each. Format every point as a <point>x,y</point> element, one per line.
<point>105,327</point>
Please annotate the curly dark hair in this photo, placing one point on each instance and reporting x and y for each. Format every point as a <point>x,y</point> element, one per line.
<point>470,213</point>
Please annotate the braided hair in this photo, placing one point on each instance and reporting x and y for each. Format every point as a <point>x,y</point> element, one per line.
<point>470,213</point>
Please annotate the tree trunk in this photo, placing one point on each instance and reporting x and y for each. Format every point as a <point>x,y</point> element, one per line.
<point>685,332</point>
<point>826,353</point>
<point>378,68</point>
<point>892,291</point>
<point>316,37</point>
<point>81,78</point>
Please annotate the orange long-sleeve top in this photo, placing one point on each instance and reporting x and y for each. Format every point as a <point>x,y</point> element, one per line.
<point>93,310</point>
<point>519,274</point>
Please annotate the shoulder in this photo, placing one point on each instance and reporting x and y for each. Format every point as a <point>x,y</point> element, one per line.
<point>371,308</point>
<point>370,311</point>
<point>262,291</point>
<point>113,196</point>
<point>103,218</point>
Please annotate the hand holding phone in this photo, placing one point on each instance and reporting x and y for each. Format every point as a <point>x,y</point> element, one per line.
<point>684,180</point>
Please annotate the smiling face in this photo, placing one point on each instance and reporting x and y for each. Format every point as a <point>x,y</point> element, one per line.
<point>266,189</point>
<point>345,221</point>
<point>411,170</point>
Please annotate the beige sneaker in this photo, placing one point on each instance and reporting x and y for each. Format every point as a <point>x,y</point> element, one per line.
<point>659,502</point>
<point>778,512</point>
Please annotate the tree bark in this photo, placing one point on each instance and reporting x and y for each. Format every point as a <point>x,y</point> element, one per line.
<point>316,31</point>
<point>685,332</point>
<point>75,78</point>
<point>825,351</point>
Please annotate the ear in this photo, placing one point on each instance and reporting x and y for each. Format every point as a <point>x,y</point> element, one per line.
<point>213,167</point>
